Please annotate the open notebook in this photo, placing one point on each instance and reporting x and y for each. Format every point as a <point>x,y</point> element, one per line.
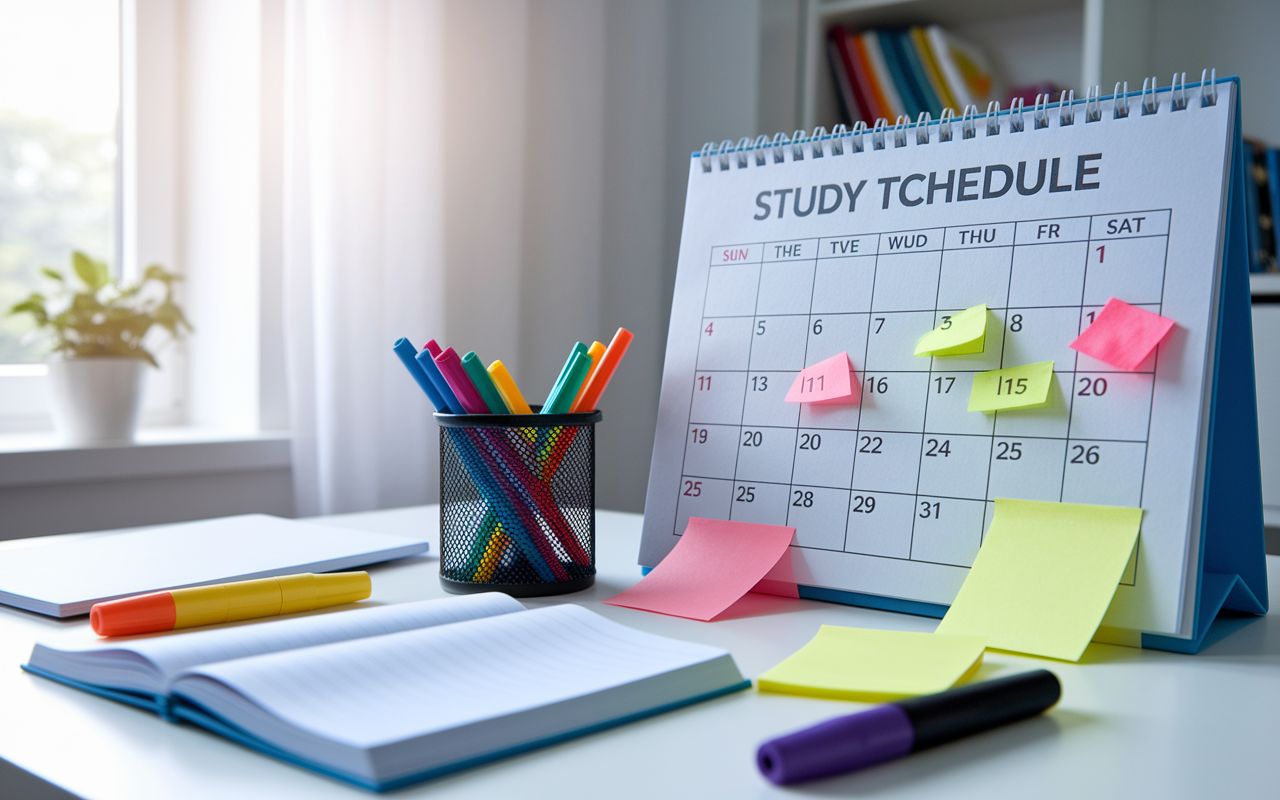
<point>390,695</point>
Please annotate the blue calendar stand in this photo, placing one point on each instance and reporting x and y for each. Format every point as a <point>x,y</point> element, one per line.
<point>1233,568</point>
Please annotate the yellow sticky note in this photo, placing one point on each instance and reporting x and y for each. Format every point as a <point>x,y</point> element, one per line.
<point>873,665</point>
<point>1044,576</point>
<point>962,334</point>
<point>1013,387</point>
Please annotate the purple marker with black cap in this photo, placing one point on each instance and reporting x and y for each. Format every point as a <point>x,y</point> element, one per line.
<point>891,731</point>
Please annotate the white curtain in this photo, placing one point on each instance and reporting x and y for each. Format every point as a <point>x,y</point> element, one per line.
<point>363,246</point>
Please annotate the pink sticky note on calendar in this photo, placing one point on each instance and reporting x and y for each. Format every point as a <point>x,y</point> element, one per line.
<point>1122,335</point>
<point>828,382</point>
<point>713,565</point>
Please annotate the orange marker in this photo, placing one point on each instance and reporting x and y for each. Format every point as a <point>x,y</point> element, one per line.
<point>604,373</point>
<point>596,351</point>
<point>227,602</point>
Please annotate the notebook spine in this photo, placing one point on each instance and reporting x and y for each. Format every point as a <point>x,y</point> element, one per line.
<point>883,134</point>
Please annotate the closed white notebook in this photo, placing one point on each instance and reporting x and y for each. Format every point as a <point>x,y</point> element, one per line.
<point>64,578</point>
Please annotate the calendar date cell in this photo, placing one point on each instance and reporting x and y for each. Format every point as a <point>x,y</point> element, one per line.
<point>702,497</point>
<point>778,342</point>
<point>947,531</point>
<point>880,524</point>
<point>1026,468</point>
<point>1047,274</point>
<point>843,285</point>
<point>819,516</point>
<point>832,334</point>
<point>717,397</point>
<point>992,348</point>
<point>731,291</point>
<point>765,454</point>
<point>1104,473</point>
<point>1111,405</point>
<point>891,340</point>
<point>724,343</point>
<point>824,457</point>
<point>886,462</point>
<point>1131,270</point>
<point>970,277</point>
<point>709,450</point>
<point>786,287</point>
<point>948,406</point>
<point>765,503</point>
<point>893,401</point>
<point>906,282</point>
<point>954,466</point>
<point>1033,335</point>
<point>765,404</point>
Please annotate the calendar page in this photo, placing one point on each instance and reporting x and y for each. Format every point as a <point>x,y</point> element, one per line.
<point>785,264</point>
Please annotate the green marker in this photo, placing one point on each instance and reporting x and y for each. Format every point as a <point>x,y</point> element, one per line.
<point>578,347</point>
<point>484,384</point>
<point>561,398</point>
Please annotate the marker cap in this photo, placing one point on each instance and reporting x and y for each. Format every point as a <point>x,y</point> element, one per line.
<point>838,745</point>
<point>129,615</point>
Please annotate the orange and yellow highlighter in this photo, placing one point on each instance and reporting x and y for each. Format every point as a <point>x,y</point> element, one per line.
<point>227,602</point>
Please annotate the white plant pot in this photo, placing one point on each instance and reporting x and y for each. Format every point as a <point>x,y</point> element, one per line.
<point>96,400</point>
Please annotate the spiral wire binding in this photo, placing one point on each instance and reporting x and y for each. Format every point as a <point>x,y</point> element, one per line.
<point>1066,108</point>
<point>1016,122</point>
<point>837,139</point>
<point>819,133</point>
<point>922,127</point>
<point>729,152</point>
<point>944,124</point>
<point>1040,115</point>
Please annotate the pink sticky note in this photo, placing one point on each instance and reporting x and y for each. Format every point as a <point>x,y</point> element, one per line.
<point>1122,335</point>
<point>826,383</point>
<point>712,566</point>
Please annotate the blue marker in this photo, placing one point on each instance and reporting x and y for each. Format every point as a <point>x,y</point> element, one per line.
<point>428,365</point>
<point>408,353</point>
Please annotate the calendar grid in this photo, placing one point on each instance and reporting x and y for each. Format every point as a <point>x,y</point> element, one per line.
<point>772,308</point>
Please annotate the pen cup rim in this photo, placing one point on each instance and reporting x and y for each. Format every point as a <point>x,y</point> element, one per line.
<point>534,420</point>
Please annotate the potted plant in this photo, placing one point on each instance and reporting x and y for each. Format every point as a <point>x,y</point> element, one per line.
<point>98,355</point>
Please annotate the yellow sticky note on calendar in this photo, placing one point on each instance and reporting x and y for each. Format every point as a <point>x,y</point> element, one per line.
<point>1013,387</point>
<point>874,666</point>
<point>960,334</point>
<point>1044,576</point>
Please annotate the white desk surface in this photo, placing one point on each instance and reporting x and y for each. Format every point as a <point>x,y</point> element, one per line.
<point>1132,723</point>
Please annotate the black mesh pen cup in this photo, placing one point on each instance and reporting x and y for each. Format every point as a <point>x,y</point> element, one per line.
<point>518,503</point>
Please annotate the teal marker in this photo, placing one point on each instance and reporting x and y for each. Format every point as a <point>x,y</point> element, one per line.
<point>484,384</point>
<point>561,398</point>
<point>578,347</point>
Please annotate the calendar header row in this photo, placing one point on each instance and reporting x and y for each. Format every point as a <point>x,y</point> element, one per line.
<point>963,237</point>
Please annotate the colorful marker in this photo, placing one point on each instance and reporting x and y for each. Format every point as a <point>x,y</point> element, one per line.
<point>507,388</point>
<point>894,730</point>
<point>408,356</point>
<point>451,367</point>
<point>227,602</point>
<point>561,399</point>
<point>484,384</point>
<point>427,360</point>
<point>596,351</point>
<point>604,373</point>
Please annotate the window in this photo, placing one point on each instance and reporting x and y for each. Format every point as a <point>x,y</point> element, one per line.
<point>59,102</point>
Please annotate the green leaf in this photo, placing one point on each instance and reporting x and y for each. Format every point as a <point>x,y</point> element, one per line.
<point>52,273</point>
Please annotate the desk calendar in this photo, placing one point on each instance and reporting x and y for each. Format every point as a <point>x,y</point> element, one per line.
<point>793,252</point>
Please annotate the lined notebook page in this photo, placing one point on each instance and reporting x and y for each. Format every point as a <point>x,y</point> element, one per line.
<point>371,692</point>
<point>173,653</point>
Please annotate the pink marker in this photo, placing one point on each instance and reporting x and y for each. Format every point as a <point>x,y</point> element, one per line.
<point>451,368</point>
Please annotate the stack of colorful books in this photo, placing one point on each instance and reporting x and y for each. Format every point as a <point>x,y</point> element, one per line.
<point>885,74</point>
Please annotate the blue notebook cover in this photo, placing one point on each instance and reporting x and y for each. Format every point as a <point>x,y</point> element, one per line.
<point>915,72</point>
